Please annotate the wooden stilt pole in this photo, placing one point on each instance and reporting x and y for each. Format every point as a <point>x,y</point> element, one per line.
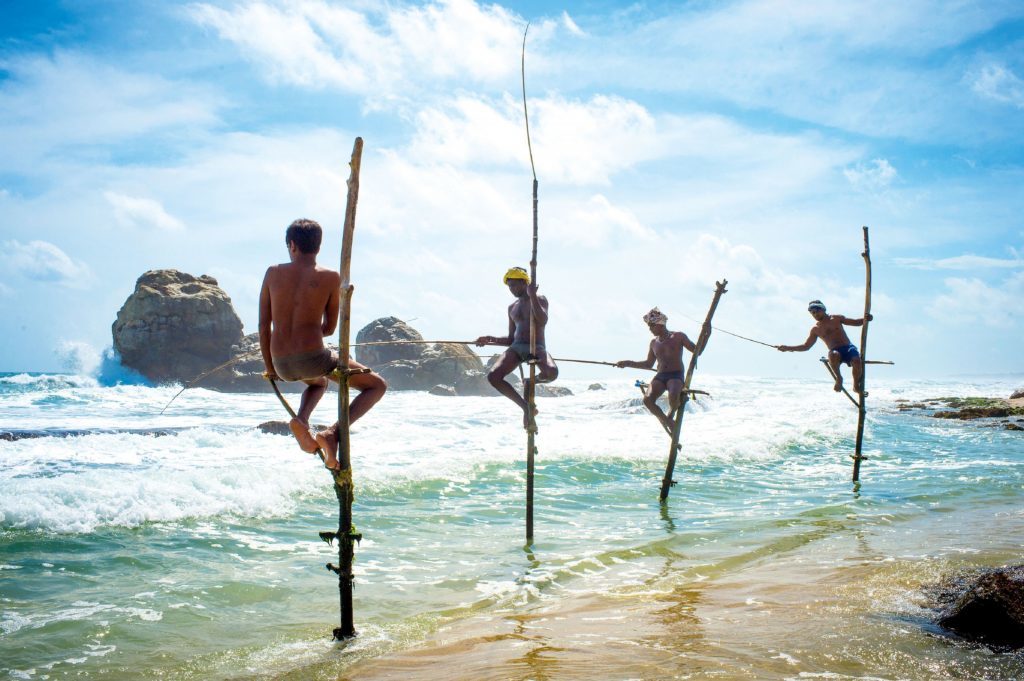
<point>861,404</point>
<point>684,397</point>
<point>531,387</point>
<point>343,487</point>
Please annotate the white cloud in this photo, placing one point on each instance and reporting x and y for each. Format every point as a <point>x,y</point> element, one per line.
<point>384,52</point>
<point>43,261</point>
<point>131,211</point>
<point>594,223</point>
<point>961,262</point>
<point>1000,84</point>
<point>873,176</point>
<point>587,142</point>
<point>972,301</point>
<point>70,105</point>
<point>571,25</point>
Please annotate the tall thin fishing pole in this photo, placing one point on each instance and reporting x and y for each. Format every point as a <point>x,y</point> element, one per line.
<point>343,487</point>
<point>861,405</point>
<point>531,388</point>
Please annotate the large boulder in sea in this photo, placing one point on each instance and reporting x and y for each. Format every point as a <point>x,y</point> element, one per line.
<point>175,326</point>
<point>991,610</point>
<point>419,365</point>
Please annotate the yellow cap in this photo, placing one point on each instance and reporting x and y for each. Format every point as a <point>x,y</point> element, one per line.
<point>516,273</point>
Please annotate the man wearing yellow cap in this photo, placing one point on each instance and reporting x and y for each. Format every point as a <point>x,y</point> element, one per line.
<point>667,350</point>
<point>518,339</point>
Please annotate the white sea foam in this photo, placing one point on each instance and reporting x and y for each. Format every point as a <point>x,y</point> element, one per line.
<point>218,464</point>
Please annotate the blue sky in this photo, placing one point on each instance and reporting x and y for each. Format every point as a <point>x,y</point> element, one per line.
<point>676,144</point>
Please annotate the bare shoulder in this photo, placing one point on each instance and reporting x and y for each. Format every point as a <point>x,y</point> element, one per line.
<point>328,274</point>
<point>271,273</point>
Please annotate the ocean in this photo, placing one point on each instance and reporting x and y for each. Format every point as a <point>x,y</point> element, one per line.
<point>184,545</point>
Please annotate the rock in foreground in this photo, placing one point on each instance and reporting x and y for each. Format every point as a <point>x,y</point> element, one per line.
<point>991,610</point>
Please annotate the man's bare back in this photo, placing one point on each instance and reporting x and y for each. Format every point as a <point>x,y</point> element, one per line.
<point>299,306</point>
<point>304,302</point>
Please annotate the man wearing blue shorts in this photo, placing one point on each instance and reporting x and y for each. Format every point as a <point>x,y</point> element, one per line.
<point>829,328</point>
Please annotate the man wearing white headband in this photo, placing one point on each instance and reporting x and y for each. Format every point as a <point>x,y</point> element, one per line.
<point>667,350</point>
<point>829,328</point>
<point>518,338</point>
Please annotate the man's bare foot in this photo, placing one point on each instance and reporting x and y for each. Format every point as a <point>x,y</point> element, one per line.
<point>300,430</point>
<point>839,384</point>
<point>529,422</point>
<point>328,441</point>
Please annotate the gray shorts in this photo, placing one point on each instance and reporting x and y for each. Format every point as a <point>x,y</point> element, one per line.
<point>306,365</point>
<point>523,350</point>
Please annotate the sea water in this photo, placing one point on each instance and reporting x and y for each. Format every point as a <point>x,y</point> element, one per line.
<point>135,544</point>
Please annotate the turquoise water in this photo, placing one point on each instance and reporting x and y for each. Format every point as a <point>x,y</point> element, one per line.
<point>190,550</point>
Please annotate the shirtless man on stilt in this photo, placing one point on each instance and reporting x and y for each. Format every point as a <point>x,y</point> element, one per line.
<point>518,339</point>
<point>829,328</point>
<point>667,349</point>
<point>299,306</point>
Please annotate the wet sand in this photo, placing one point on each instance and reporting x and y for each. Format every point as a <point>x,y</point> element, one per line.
<point>836,605</point>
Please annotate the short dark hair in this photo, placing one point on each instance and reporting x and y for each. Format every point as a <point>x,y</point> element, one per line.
<point>306,234</point>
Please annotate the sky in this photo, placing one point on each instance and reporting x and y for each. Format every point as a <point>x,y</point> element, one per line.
<point>676,144</point>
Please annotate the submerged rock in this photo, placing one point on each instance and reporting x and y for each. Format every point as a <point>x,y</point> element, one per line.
<point>548,390</point>
<point>281,428</point>
<point>175,326</point>
<point>991,610</point>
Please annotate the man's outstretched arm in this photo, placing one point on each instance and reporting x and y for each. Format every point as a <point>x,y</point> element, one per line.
<point>642,364</point>
<point>799,348</point>
<point>499,340</point>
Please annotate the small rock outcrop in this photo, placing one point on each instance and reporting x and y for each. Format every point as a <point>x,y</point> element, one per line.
<point>1017,394</point>
<point>420,366</point>
<point>175,326</point>
<point>991,610</point>
<point>596,386</point>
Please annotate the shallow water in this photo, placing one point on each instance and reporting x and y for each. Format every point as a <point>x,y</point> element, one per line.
<point>194,554</point>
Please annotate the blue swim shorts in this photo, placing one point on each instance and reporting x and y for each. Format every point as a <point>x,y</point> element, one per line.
<point>847,353</point>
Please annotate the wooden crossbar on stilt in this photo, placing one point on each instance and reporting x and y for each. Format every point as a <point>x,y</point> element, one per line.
<point>343,486</point>
<point>862,403</point>
<point>684,397</point>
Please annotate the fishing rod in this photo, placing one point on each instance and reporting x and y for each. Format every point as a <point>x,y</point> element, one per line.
<point>206,373</point>
<point>769,345</point>
<point>460,342</point>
